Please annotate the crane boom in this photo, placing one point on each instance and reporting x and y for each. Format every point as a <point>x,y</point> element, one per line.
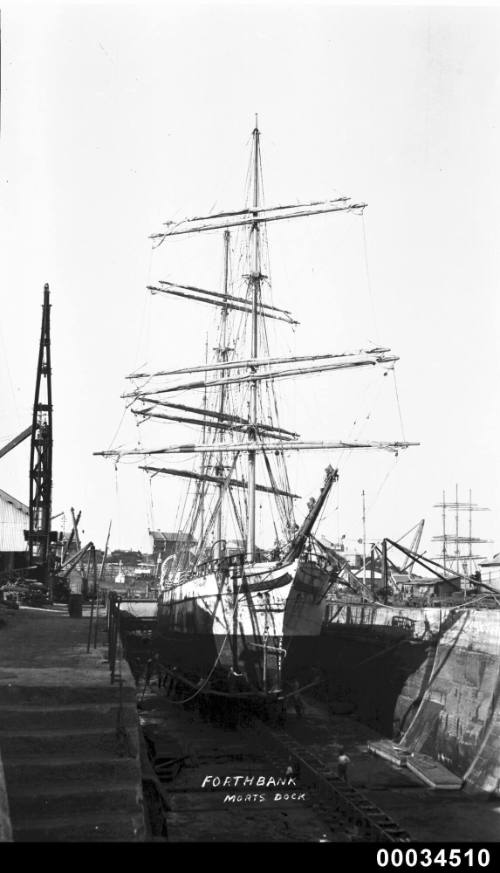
<point>15,442</point>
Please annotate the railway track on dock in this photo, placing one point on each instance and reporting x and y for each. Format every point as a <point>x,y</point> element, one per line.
<point>335,800</point>
<point>231,785</point>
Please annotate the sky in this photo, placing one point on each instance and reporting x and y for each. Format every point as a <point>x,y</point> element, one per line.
<point>116,117</point>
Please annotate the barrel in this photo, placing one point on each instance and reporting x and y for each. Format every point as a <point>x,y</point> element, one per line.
<point>75,605</point>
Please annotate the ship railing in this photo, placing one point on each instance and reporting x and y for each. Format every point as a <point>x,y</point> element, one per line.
<point>223,565</point>
<point>232,563</point>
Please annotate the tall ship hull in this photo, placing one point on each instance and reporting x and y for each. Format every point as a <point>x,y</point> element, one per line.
<point>244,625</point>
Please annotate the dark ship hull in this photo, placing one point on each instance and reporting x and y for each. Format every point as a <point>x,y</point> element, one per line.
<point>429,677</point>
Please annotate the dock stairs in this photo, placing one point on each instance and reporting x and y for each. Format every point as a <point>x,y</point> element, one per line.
<point>69,743</point>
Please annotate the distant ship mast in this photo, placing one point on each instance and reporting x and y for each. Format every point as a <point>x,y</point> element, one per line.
<point>453,544</point>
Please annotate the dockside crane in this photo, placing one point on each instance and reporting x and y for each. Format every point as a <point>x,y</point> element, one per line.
<point>39,535</point>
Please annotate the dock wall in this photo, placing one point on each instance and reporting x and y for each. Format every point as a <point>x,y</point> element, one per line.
<point>5,825</point>
<point>444,696</point>
<point>457,719</point>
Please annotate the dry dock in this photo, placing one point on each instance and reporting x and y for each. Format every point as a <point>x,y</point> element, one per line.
<point>70,743</point>
<point>69,740</point>
<point>195,752</point>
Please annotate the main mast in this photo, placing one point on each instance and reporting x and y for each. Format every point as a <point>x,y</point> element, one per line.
<point>254,279</point>
<point>222,356</point>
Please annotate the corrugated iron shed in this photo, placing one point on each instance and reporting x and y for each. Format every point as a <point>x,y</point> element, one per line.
<point>14,520</point>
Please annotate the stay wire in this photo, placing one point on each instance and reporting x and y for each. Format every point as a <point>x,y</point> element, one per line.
<point>398,403</point>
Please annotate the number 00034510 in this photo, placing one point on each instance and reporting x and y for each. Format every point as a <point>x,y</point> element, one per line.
<point>433,858</point>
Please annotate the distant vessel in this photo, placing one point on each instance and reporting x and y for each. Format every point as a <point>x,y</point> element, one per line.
<point>230,612</point>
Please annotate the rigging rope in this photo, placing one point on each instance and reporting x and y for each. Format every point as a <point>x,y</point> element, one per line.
<point>399,405</point>
<point>206,680</point>
<point>377,495</point>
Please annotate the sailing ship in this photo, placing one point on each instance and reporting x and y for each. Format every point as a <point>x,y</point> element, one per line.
<point>229,611</point>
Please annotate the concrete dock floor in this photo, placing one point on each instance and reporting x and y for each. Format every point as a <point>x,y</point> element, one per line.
<point>428,815</point>
<point>196,815</point>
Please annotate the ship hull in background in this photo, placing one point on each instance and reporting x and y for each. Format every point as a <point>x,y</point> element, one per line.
<point>429,677</point>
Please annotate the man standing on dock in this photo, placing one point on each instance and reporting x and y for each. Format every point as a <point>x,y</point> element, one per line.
<point>343,762</point>
<point>297,699</point>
